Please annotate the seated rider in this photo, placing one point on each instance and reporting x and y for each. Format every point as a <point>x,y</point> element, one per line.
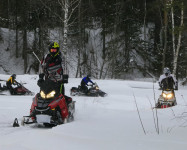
<point>167,80</point>
<point>9,83</point>
<point>52,69</point>
<point>84,83</point>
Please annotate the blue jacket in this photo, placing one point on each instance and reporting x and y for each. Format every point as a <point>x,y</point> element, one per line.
<point>85,80</point>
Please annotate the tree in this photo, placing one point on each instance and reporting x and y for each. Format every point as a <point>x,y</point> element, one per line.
<point>177,49</point>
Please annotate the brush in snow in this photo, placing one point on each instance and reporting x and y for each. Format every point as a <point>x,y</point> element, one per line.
<point>166,99</point>
<point>93,91</point>
<point>50,107</point>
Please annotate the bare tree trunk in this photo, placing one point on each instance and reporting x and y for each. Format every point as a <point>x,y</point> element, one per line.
<point>145,14</point>
<point>25,50</point>
<point>173,28</point>
<point>24,53</point>
<point>179,41</point>
<point>104,46</point>
<point>145,35</point>
<point>79,43</point>
<point>16,22</point>
<point>66,9</point>
<point>41,41</point>
<point>165,34</point>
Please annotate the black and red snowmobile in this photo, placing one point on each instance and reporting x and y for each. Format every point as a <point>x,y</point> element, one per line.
<point>17,89</point>
<point>21,90</point>
<point>93,91</point>
<point>3,88</point>
<point>166,99</point>
<point>50,107</point>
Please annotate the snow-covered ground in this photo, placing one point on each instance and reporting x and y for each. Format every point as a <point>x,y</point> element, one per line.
<point>109,123</point>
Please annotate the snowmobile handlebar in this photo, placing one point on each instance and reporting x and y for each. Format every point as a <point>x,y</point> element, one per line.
<point>92,84</point>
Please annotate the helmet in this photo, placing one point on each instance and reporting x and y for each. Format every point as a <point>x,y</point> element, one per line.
<point>166,71</point>
<point>14,76</point>
<point>88,76</point>
<point>54,48</point>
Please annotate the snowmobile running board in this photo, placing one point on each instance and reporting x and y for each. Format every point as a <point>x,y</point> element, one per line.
<point>28,122</point>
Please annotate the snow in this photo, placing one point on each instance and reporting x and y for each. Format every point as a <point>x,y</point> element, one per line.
<point>109,123</point>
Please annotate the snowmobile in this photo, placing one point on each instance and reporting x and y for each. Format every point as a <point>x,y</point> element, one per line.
<point>19,89</point>
<point>3,88</point>
<point>49,107</point>
<point>93,91</point>
<point>166,99</point>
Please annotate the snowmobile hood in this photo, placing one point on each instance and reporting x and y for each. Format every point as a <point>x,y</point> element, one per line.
<point>48,85</point>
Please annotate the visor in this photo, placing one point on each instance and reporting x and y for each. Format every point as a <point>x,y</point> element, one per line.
<point>53,50</point>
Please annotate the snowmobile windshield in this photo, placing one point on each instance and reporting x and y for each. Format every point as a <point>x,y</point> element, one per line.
<point>48,85</point>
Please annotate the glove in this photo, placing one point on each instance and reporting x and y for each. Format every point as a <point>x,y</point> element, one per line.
<point>41,75</point>
<point>15,82</point>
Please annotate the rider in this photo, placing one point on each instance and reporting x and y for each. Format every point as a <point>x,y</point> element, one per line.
<point>9,82</point>
<point>52,68</point>
<point>84,83</point>
<point>167,80</point>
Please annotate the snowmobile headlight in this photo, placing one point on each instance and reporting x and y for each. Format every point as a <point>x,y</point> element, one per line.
<point>46,96</point>
<point>164,95</point>
<point>97,88</point>
<point>170,95</point>
<point>42,94</point>
<point>51,94</point>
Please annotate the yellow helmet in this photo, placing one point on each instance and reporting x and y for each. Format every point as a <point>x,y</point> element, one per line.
<point>54,48</point>
<point>54,45</point>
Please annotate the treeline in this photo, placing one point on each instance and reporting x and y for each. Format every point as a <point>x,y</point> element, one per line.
<point>107,38</point>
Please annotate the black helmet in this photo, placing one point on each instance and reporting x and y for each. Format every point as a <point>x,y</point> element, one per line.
<point>14,76</point>
<point>54,48</point>
<point>166,71</point>
<point>88,76</point>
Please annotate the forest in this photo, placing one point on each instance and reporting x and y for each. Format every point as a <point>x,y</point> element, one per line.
<point>106,38</point>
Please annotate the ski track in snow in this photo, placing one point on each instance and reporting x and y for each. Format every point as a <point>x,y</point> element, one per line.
<point>109,123</point>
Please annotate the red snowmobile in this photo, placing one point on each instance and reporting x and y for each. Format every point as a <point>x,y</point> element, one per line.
<point>50,107</point>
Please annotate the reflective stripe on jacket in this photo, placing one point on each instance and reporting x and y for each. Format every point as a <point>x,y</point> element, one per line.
<point>52,67</point>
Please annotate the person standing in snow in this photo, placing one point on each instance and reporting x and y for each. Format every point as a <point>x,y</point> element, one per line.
<point>167,80</point>
<point>84,83</point>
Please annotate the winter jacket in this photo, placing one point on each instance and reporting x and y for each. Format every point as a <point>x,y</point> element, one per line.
<point>85,81</point>
<point>53,67</point>
<point>11,81</point>
<point>167,82</point>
